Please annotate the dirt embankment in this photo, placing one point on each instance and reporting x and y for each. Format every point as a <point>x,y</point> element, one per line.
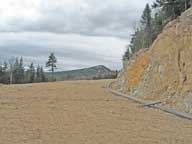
<point>164,72</point>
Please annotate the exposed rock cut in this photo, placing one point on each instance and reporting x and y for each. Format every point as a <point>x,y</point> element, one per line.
<point>164,72</point>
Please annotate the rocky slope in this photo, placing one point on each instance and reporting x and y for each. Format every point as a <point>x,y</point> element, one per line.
<point>164,72</point>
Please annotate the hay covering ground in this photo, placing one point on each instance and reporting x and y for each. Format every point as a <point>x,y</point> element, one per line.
<point>82,112</point>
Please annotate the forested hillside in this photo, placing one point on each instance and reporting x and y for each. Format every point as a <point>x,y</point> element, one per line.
<point>14,72</point>
<point>92,73</point>
<point>153,20</point>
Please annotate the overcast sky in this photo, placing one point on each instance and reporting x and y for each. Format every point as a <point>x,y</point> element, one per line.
<point>81,33</point>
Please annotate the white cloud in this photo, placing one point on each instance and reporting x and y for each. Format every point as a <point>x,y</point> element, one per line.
<point>19,9</point>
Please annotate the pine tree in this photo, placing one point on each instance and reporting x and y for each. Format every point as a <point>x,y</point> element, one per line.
<point>142,38</point>
<point>137,41</point>
<point>146,21</point>
<point>172,8</point>
<point>11,70</point>
<point>127,55</point>
<point>27,76</point>
<point>5,78</point>
<point>38,74</point>
<point>21,71</point>
<point>52,60</point>
<point>157,24</point>
<point>16,71</point>
<point>31,73</point>
<point>43,77</point>
<point>1,73</point>
<point>5,66</point>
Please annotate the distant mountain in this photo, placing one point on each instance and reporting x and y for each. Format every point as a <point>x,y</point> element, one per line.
<point>96,72</point>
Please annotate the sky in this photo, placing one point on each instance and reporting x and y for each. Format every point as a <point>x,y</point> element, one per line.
<point>81,33</point>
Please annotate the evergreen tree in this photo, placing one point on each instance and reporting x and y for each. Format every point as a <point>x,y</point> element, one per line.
<point>31,73</point>
<point>127,54</point>
<point>52,60</point>
<point>142,38</point>
<point>1,73</point>
<point>27,76</point>
<point>137,41</point>
<point>16,71</point>
<point>21,71</point>
<point>11,69</point>
<point>43,77</point>
<point>146,21</point>
<point>5,78</point>
<point>172,8</point>
<point>5,66</point>
<point>38,74</point>
<point>157,24</point>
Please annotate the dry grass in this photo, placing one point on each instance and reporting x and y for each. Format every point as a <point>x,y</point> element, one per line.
<point>82,112</point>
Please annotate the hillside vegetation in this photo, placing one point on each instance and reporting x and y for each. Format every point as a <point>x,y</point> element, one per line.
<point>96,72</point>
<point>154,18</point>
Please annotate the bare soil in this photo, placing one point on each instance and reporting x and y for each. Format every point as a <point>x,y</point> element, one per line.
<point>83,112</point>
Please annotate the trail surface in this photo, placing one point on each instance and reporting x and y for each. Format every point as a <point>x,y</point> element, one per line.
<point>83,112</point>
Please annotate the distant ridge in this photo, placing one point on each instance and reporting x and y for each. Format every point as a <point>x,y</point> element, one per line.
<point>96,72</point>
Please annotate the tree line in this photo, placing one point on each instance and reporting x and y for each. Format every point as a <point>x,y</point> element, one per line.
<point>152,22</point>
<point>14,72</point>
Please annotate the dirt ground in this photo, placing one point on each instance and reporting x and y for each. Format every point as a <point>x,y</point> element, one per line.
<point>83,112</point>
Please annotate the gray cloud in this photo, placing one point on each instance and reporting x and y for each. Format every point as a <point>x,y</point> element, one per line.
<point>82,33</point>
<point>87,17</point>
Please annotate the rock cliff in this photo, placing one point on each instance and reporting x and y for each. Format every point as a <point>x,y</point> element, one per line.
<point>164,71</point>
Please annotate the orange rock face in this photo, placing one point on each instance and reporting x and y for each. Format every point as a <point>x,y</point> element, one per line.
<point>136,71</point>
